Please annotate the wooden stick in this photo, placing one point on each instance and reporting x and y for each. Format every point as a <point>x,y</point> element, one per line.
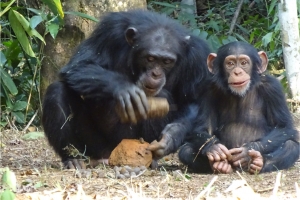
<point>236,15</point>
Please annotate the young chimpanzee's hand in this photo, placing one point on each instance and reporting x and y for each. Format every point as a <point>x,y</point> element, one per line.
<point>218,152</point>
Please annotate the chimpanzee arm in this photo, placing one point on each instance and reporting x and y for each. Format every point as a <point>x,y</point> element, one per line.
<point>278,117</point>
<point>91,80</point>
<point>279,147</point>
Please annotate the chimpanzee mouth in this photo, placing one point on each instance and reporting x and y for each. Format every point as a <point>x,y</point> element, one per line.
<point>150,88</point>
<point>239,84</point>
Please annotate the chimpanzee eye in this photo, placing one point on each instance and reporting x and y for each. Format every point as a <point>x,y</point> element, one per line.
<point>150,58</point>
<point>167,61</point>
<point>230,65</point>
<point>244,62</point>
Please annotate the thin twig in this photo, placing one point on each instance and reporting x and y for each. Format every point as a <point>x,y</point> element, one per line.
<point>236,15</point>
<point>29,123</point>
<point>210,139</point>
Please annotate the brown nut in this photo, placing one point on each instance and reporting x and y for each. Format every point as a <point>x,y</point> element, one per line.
<point>158,107</point>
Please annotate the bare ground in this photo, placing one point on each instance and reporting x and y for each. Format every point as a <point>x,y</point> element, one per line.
<point>40,176</point>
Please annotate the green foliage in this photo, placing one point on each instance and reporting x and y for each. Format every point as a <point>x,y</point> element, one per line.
<point>21,54</point>
<point>8,184</point>
<point>33,135</point>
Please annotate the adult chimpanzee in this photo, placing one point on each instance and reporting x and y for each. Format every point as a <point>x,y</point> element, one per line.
<point>129,56</point>
<point>245,122</point>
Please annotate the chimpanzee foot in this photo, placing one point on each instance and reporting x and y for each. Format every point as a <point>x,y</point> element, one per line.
<point>95,163</point>
<point>74,164</point>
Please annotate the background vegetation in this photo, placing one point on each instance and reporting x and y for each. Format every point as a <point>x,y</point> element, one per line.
<point>23,30</point>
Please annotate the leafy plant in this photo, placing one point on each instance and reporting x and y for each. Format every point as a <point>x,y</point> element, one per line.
<point>21,55</point>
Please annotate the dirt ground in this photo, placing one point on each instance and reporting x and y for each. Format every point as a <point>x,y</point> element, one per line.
<point>40,176</point>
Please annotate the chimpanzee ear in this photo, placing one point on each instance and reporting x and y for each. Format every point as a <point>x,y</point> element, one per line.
<point>264,61</point>
<point>210,59</point>
<point>130,35</point>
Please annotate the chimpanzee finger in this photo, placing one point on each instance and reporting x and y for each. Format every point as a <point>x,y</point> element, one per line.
<point>235,151</point>
<point>121,111</point>
<point>138,101</point>
<point>143,98</point>
<point>225,152</point>
<point>253,169</point>
<point>215,155</point>
<point>69,165</point>
<point>129,109</point>
<point>210,157</point>
<point>153,146</point>
<point>224,167</point>
<point>75,164</point>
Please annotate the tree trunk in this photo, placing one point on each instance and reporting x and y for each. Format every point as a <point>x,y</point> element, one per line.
<point>58,52</point>
<point>287,10</point>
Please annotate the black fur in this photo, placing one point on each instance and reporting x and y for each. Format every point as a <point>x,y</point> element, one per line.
<point>104,63</point>
<point>261,118</point>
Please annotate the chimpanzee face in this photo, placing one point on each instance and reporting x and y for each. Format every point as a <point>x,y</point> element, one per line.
<point>238,70</point>
<point>237,66</point>
<point>154,55</point>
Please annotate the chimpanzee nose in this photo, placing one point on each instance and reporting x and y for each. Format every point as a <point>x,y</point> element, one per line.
<point>156,73</point>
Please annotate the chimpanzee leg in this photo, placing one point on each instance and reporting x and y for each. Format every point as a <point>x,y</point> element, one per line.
<point>62,112</point>
<point>282,158</point>
<point>187,154</point>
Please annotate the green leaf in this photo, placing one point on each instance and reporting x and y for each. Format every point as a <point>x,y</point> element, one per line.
<point>20,33</point>
<point>240,37</point>
<point>267,39</point>
<point>53,29</point>
<point>31,32</point>
<point>7,8</point>
<point>83,15</point>
<point>38,185</point>
<point>9,178</point>
<point>38,12</point>
<point>20,117</point>
<point>196,32</point>
<point>33,135</point>
<point>7,195</point>
<point>35,20</point>
<point>214,42</point>
<point>2,59</point>
<point>19,105</point>
<point>56,7</point>
<point>8,82</point>
<point>214,25</point>
<point>273,4</point>
<point>187,176</point>
<point>203,35</point>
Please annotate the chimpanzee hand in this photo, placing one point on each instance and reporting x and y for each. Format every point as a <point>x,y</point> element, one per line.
<point>132,103</point>
<point>218,152</point>
<point>222,167</point>
<point>159,148</point>
<point>256,163</point>
<point>240,157</point>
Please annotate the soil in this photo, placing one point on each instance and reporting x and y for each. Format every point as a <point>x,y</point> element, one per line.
<point>40,175</point>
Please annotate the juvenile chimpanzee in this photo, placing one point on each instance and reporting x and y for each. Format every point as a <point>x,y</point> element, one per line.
<point>245,122</point>
<point>101,97</point>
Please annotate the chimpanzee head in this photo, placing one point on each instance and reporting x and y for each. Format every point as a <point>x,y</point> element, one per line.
<point>237,67</point>
<point>153,55</point>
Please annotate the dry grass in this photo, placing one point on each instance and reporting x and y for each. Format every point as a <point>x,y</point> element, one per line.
<point>40,176</point>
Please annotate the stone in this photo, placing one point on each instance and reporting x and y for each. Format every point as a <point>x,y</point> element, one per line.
<point>131,152</point>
